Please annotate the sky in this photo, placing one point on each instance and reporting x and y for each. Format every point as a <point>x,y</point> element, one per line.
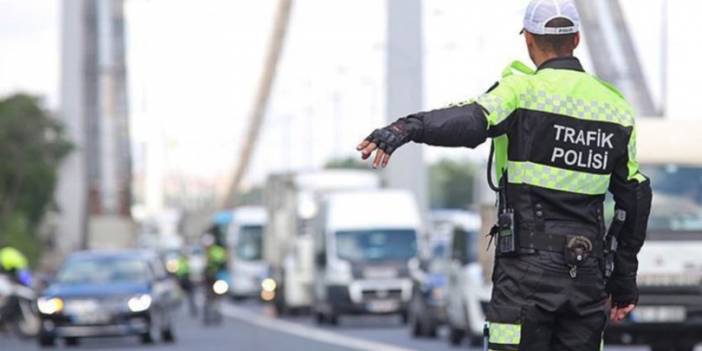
<point>194,65</point>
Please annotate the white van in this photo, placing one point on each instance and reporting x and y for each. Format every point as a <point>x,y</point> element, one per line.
<point>245,242</point>
<point>669,313</point>
<point>292,203</point>
<point>363,242</point>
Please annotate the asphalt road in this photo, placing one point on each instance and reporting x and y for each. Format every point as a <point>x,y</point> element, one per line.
<point>251,327</point>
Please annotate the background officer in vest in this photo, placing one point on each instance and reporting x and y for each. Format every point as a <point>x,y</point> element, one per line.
<point>561,139</point>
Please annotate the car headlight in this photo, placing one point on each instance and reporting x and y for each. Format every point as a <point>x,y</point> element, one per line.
<point>49,305</point>
<point>268,284</point>
<point>220,287</point>
<point>139,303</point>
<point>172,266</point>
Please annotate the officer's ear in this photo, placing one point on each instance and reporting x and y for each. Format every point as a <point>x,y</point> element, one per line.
<point>532,48</point>
<point>529,38</point>
<point>576,40</point>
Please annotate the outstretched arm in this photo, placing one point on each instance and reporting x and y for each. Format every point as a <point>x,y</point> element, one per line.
<point>466,125</point>
<point>458,126</point>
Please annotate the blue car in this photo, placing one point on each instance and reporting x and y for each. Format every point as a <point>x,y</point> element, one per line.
<point>108,293</point>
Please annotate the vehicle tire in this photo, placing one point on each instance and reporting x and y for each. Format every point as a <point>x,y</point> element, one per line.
<point>455,336</point>
<point>72,341</point>
<point>46,341</point>
<point>279,302</point>
<point>430,330</point>
<point>404,317</point>
<point>415,326</point>
<point>147,337</point>
<point>320,318</point>
<point>167,335</point>
<point>333,319</point>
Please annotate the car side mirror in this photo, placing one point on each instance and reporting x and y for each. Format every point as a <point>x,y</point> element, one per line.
<point>459,250</point>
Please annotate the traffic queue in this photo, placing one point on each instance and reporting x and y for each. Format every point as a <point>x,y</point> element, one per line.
<point>309,252</point>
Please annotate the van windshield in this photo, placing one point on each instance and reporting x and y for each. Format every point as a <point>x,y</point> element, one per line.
<point>249,243</point>
<point>376,245</point>
<point>677,197</point>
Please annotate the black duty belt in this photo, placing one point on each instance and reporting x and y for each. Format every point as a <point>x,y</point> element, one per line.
<point>555,242</point>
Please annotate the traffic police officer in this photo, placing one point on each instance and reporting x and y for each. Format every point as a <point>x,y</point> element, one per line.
<point>561,139</point>
<point>12,262</point>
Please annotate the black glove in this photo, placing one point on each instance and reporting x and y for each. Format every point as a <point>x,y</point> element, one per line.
<point>624,290</point>
<point>391,137</point>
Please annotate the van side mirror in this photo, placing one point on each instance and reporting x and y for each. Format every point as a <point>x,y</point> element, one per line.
<point>320,259</point>
<point>459,248</point>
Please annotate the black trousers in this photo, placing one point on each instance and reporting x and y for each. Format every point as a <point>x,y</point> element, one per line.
<point>536,305</point>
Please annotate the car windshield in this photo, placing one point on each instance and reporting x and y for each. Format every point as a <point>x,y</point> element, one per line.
<point>376,245</point>
<point>249,243</point>
<point>103,270</point>
<point>677,198</point>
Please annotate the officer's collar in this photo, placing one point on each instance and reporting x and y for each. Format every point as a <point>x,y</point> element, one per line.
<point>569,62</point>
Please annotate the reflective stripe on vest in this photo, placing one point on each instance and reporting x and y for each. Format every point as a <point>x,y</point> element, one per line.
<point>557,178</point>
<point>505,334</point>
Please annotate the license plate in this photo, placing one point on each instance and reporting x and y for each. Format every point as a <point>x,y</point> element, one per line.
<point>380,306</point>
<point>659,314</point>
<point>91,318</point>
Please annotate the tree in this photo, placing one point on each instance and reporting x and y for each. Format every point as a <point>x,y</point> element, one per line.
<point>32,145</point>
<point>346,163</point>
<point>451,184</point>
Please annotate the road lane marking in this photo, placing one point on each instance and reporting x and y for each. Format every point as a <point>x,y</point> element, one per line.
<point>307,332</point>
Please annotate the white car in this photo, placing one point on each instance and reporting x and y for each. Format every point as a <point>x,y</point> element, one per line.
<point>468,290</point>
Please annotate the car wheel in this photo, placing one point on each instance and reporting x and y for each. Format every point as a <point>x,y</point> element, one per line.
<point>72,341</point>
<point>167,335</point>
<point>320,318</point>
<point>415,325</point>
<point>148,336</point>
<point>333,319</point>
<point>455,336</point>
<point>46,341</point>
<point>404,317</point>
<point>430,330</point>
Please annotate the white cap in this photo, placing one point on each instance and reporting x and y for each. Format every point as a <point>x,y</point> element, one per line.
<point>540,12</point>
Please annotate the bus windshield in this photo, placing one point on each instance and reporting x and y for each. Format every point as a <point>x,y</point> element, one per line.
<point>250,241</point>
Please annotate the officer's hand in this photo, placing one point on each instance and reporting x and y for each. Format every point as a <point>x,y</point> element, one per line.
<point>366,148</point>
<point>619,313</point>
<point>384,142</point>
